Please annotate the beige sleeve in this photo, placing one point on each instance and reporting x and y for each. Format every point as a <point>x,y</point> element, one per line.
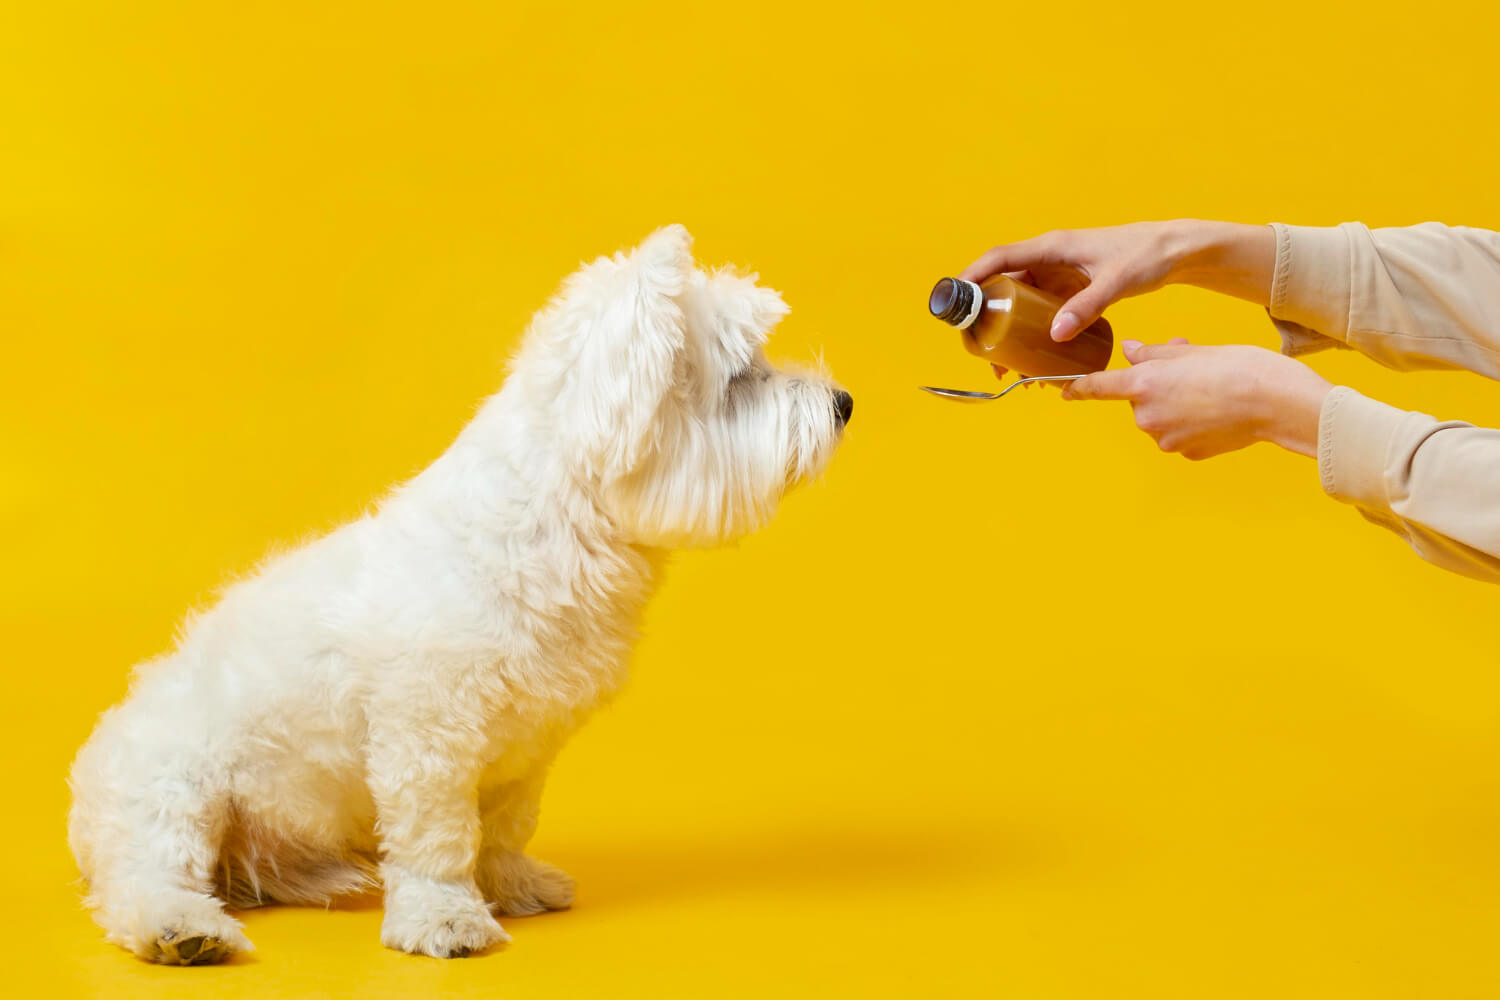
<point>1425,296</point>
<point>1435,483</point>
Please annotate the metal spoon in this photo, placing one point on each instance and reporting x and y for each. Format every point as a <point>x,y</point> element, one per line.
<point>968,396</point>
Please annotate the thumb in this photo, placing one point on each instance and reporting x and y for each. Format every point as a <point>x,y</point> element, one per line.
<point>1084,308</point>
<point>1137,352</point>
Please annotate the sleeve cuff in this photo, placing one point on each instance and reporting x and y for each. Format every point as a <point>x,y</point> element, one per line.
<point>1299,340</point>
<point>1354,439</point>
<point>1311,284</point>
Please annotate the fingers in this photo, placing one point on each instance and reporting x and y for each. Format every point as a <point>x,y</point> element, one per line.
<point>1012,257</point>
<point>1117,384</point>
<point>1084,308</point>
<point>1138,353</point>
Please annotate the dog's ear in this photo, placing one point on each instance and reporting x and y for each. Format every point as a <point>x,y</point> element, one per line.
<point>743,315</point>
<point>627,361</point>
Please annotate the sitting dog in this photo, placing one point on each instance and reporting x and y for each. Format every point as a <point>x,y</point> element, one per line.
<point>381,706</point>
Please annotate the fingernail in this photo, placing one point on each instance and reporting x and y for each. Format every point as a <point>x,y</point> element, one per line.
<point>1131,345</point>
<point>1063,325</point>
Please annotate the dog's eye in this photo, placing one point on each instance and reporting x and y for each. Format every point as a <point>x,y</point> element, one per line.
<point>739,385</point>
<point>749,376</point>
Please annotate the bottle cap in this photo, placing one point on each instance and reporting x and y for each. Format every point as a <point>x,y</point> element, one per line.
<point>954,302</point>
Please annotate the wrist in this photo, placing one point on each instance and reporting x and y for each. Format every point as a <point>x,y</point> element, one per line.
<point>1191,249</point>
<point>1291,404</point>
<point>1202,249</point>
<point>1227,257</point>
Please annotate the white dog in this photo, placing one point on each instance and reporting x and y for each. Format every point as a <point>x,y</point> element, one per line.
<point>383,703</point>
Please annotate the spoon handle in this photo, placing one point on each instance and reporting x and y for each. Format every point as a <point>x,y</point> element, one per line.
<point>1037,378</point>
<point>970,396</point>
<point>1048,378</point>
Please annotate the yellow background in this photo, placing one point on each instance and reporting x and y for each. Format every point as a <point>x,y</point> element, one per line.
<point>1009,705</point>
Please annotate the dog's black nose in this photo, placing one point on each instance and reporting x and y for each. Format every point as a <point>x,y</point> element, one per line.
<point>843,406</point>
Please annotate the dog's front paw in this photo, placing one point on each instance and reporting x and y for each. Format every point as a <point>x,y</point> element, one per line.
<point>441,919</point>
<point>519,886</point>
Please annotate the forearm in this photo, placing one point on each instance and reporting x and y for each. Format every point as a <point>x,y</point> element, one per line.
<point>1227,257</point>
<point>1435,483</point>
<point>1425,296</point>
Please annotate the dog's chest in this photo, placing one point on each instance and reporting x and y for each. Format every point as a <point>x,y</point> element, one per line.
<point>558,661</point>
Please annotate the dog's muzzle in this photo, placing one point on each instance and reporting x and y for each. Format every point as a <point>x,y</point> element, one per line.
<point>843,407</point>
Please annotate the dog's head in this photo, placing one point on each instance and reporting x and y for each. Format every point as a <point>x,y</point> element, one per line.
<point>654,381</point>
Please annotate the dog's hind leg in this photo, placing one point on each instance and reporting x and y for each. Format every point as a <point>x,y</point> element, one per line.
<point>150,874</point>
<point>518,885</point>
<point>167,923</point>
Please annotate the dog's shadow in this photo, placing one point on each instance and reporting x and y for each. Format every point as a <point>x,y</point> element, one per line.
<point>797,862</point>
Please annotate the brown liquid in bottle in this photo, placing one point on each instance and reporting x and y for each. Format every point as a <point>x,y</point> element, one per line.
<point>1009,323</point>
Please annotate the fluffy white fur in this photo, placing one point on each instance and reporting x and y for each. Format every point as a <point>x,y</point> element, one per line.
<point>382,704</point>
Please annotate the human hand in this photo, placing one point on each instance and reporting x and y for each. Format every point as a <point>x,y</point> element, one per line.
<point>1092,268</point>
<point>1205,401</point>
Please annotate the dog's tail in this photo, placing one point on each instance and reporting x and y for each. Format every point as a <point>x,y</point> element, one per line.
<point>257,866</point>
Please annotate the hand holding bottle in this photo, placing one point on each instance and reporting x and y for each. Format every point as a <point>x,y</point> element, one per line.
<point>1092,268</point>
